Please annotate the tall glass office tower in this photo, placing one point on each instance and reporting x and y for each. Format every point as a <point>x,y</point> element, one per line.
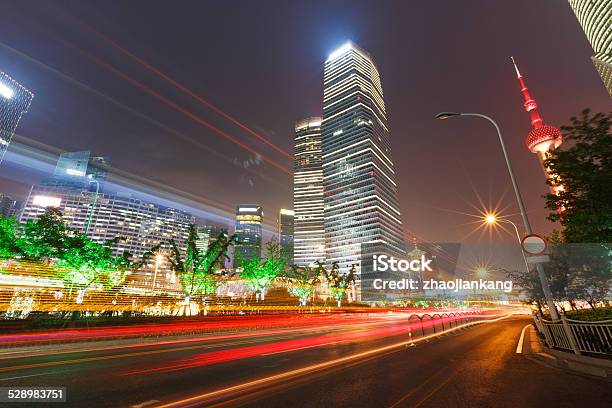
<point>249,218</point>
<point>14,102</point>
<point>309,233</point>
<point>361,204</point>
<point>595,17</point>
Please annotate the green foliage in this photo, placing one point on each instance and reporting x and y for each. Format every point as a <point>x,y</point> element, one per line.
<point>604,313</point>
<point>338,283</point>
<point>45,238</point>
<point>303,282</point>
<point>84,263</point>
<point>199,271</point>
<point>8,239</point>
<point>78,261</point>
<point>261,272</point>
<point>574,272</point>
<point>584,167</point>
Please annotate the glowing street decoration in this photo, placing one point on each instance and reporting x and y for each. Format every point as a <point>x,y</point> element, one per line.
<point>46,201</point>
<point>5,91</point>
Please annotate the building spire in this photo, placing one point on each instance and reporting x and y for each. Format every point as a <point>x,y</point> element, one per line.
<point>530,104</point>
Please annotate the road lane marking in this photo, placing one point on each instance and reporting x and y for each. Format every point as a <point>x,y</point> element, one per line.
<point>414,390</point>
<point>26,376</point>
<point>519,346</point>
<point>315,367</point>
<point>435,390</point>
<point>144,404</point>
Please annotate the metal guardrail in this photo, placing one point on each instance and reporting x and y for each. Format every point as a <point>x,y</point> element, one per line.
<point>575,335</point>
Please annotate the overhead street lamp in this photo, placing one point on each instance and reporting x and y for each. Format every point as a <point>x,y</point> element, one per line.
<point>491,219</point>
<point>519,200</point>
<point>93,205</point>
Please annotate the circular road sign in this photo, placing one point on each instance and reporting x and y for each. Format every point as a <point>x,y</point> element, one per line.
<point>534,244</point>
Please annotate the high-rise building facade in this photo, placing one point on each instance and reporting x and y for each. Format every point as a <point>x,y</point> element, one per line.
<point>207,234</point>
<point>249,218</point>
<point>595,17</point>
<point>285,231</point>
<point>142,224</point>
<point>8,206</point>
<point>309,228</point>
<point>14,102</point>
<point>361,201</point>
<point>204,238</point>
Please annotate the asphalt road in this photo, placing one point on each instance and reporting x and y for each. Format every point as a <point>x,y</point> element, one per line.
<point>361,364</point>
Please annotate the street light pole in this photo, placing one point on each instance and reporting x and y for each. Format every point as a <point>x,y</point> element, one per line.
<point>93,205</point>
<point>519,200</point>
<point>492,219</point>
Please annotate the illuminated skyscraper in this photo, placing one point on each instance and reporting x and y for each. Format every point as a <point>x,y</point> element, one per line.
<point>249,218</point>
<point>285,231</point>
<point>542,139</point>
<point>309,229</point>
<point>14,102</point>
<point>361,203</point>
<point>595,17</point>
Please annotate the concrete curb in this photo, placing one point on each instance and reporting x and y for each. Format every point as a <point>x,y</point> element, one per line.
<point>591,366</point>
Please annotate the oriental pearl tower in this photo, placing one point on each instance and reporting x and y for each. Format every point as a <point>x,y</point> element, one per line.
<point>542,139</point>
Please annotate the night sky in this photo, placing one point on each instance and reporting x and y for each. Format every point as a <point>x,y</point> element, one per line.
<point>262,63</point>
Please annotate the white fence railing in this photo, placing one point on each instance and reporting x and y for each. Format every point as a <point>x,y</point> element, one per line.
<point>575,335</point>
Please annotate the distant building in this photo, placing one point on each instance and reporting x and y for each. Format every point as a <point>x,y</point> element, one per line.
<point>78,170</point>
<point>309,229</point>
<point>249,219</point>
<point>141,223</point>
<point>207,234</point>
<point>595,17</point>
<point>285,231</point>
<point>8,206</point>
<point>203,238</point>
<point>14,102</point>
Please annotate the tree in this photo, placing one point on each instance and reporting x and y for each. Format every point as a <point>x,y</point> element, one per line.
<point>198,271</point>
<point>584,168</point>
<point>302,282</point>
<point>8,239</point>
<point>261,272</point>
<point>83,263</point>
<point>77,260</point>
<point>338,282</point>
<point>44,239</point>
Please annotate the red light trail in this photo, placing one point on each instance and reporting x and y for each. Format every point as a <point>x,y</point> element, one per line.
<point>362,334</point>
<point>259,383</point>
<point>175,106</point>
<point>190,92</point>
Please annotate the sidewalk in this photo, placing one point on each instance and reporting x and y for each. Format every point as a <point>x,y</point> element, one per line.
<point>597,367</point>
